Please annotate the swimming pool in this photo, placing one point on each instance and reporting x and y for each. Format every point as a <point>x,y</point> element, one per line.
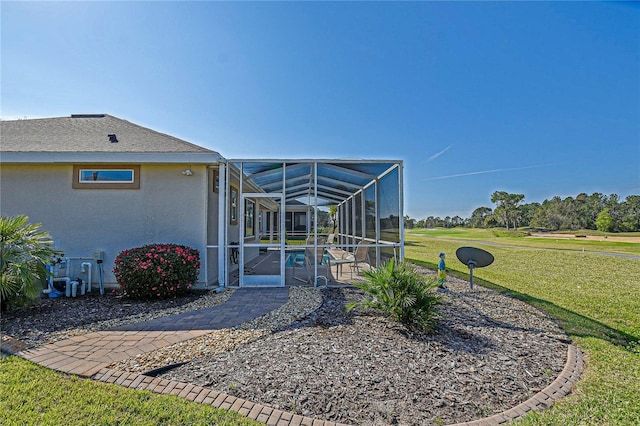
<point>298,257</point>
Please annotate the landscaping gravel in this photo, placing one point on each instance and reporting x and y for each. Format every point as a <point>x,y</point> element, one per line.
<point>50,320</point>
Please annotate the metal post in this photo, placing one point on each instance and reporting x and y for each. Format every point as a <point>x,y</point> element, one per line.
<point>283,238</point>
<point>376,211</point>
<point>222,225</point>
<point>240,222</point>
<point>471,265</point>
<point>401,208</point>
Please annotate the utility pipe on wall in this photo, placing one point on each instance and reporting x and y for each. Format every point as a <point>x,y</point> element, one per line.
<point>100,277</point>
<point>84,267</point>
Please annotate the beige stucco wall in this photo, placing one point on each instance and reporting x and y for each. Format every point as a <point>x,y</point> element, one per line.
<point>168,208</point>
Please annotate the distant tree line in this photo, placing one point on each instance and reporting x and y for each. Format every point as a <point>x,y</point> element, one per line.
<point>596,211</point>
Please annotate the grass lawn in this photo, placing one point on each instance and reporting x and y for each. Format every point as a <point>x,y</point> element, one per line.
<point>595,297</point>
<point>34,395</point>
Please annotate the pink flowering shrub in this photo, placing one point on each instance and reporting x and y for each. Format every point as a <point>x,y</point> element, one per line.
<point>157,270</point>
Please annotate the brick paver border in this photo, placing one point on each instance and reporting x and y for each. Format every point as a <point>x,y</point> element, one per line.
<point>190,392</point>
<point>560,387</point>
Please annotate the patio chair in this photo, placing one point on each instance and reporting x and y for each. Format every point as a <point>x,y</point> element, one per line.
<point>360,257</point>
<point>331,240</point>
<point>308,261</point>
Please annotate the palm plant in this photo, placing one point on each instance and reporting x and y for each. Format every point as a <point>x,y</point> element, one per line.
<point>24,252</point>
<point>333,214</point>
<point>400,292</point>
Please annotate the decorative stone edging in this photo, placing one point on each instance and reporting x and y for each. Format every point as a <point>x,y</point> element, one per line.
<point>559,388</point>
<point>261,413</point>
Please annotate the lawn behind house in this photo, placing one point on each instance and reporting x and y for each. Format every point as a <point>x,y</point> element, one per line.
<point>594,296</point>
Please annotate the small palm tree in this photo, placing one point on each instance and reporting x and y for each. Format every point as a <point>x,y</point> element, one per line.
<point>24,252</point>
<point>402,293</point>
<point>333,214</point>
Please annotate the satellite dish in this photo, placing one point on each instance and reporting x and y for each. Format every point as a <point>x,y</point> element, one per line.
<point>474,258</point>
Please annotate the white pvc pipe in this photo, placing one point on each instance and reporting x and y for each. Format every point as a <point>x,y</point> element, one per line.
<point>49,288</point>
<point>84,266</point>
<point>67,285</point>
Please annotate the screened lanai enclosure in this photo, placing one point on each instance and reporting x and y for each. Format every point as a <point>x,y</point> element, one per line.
<point>307,221</point>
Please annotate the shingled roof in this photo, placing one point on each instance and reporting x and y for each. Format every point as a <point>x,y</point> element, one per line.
<point>92,134</point>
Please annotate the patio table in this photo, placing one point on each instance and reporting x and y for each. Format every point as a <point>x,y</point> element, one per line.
<point>339,257</point>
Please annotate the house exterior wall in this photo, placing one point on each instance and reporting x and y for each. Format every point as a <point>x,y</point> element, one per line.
<point>168,208</point>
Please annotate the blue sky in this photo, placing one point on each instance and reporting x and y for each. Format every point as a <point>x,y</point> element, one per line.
<point>538,98</point>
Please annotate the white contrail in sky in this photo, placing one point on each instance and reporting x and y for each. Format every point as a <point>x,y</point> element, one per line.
<point>482,172</point>
<point>434,156</point>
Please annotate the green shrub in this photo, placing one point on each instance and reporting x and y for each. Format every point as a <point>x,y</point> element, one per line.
<point>157,270</point>
<point>401,293</point>
<point>24,252</point>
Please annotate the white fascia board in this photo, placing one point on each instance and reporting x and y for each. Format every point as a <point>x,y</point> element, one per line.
<point>111,157</point>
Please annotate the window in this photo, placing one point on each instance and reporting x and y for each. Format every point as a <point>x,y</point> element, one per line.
<point>300,221</point>
<point>249,214</point>
<point>106,177</point>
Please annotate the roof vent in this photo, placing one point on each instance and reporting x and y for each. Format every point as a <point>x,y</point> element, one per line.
<point>87,115</point>
<point>113,138</point>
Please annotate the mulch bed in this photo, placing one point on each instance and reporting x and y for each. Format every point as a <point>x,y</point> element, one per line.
<point>489,353</point>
